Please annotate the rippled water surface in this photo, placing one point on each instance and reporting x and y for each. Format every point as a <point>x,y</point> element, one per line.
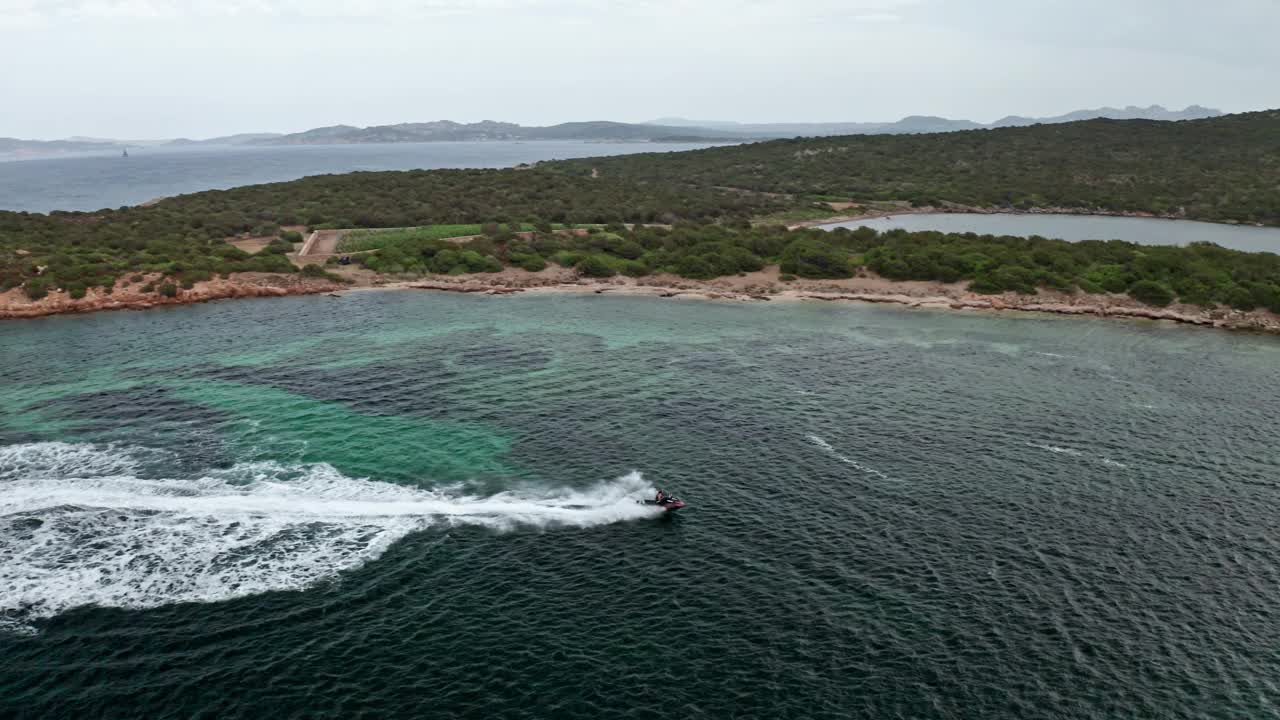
<point>398,504</point>
<point>105,179</point>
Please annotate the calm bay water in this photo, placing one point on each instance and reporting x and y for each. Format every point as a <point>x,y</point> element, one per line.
<point>398,504</point>
<point>1146,231</point>
<point>93,182</point>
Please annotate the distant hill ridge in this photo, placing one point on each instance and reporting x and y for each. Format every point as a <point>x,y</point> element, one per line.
<point>662,129</point>
<point>680,128</point>
<point>932,124</point>
<point>449,131</point>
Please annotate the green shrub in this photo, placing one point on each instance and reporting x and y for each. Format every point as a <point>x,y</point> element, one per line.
<point>1265,295</point>
<point>1019,279</point>
<point>566,258</point>
<point>985,284</point>
<point>76,290</point>
<point>628,249</point>
<point>36,288</point>
<point>633,268</point>
<point>532,263</point>
<point>1151,292</point>
<point>230,252</point>
<point>813,258</point>
<point>168,290</point>
<point>291,236</point>
<point>1058,282</point>
<point>1111,278</point>
<point>458,262</point>
<point>275,247</point>
<point>1240,298</point>
<point>594,266</point>
<point>1089,286</point>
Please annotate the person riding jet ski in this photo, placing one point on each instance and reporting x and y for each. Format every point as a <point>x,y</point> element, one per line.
<point>665,500</point>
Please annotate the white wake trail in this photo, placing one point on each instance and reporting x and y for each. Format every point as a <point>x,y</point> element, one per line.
<point>845,459</point>
<point>1072,452</point>
<point>78,527</point>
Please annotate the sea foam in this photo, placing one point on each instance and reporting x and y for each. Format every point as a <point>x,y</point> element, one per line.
<point>844,458</point>
<point>79,527</point>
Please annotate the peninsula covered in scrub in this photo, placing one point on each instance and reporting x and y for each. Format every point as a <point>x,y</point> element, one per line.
<point>699,216</point>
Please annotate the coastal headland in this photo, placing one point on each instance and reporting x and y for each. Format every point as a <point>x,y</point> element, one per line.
<point>726,222</point>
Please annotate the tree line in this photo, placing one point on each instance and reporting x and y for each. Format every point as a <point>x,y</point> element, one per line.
<point>1220,169</point>
<point>1201,274</point>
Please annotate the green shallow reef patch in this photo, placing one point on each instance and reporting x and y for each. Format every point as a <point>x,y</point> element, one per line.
<point>272,424</point>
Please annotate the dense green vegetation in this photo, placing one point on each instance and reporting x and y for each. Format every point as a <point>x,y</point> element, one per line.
<point>1223,169</point>
<point>1200,274</point>
<point>44,253</point>
<point>691,250</point>
<point>363,240</point>
<point>444,197</point>
<point>184,235</point>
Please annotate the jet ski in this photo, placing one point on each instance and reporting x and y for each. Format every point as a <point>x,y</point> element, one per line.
<point>670,503</point>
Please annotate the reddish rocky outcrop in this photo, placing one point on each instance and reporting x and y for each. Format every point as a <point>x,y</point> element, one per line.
<point>130,296</point>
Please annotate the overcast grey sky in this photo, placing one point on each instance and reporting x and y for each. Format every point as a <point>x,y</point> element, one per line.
<point>196,68</point>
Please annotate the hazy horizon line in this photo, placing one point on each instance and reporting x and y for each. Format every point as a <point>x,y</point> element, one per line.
<point>647,121</point>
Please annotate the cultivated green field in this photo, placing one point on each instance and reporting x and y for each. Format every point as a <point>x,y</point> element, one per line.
<point>358,240</point>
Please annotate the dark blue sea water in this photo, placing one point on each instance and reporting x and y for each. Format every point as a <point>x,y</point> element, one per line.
<point>418,505</point>
<point>93,182</point>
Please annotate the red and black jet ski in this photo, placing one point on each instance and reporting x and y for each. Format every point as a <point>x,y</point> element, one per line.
<point>670,503</point>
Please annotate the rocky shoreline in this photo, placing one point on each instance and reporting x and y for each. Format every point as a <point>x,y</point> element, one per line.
<point>763,286</point>
<point>129,296</point>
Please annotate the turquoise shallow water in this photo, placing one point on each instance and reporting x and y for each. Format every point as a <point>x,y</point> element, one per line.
<point>400,504</point>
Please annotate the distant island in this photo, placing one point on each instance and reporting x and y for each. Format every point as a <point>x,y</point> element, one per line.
<point>660,130</point>
<point>18,148</point>
<point>449,131</point>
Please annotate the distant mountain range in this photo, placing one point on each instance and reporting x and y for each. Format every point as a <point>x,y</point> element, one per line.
<point>1154,112</point>
<point>931,124</point>
<point>449,131</point>
<point>690,130</point>
<point>664,129</point>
